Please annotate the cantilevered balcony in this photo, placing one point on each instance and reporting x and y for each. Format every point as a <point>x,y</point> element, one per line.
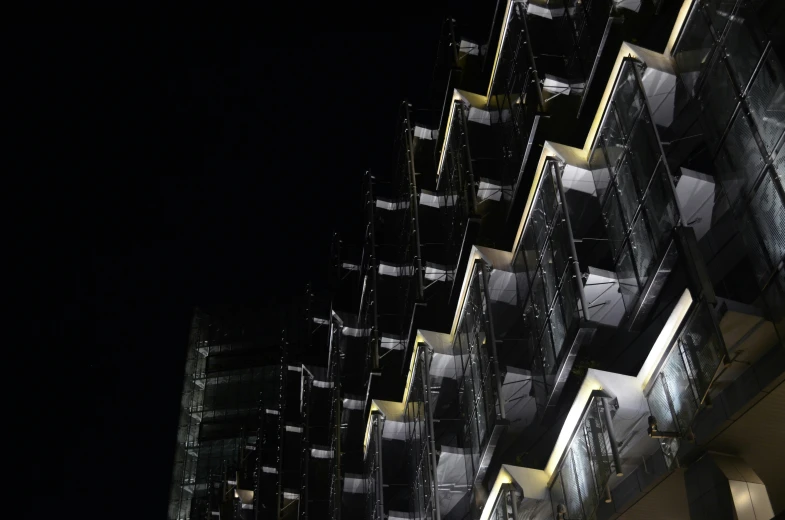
<point>555,318</point>
<point>386,465</point>
<point>636,193</point>
<point>457,409</point>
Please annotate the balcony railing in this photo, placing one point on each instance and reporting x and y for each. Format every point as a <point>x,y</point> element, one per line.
<point>580,482</point>
<point>636,194</point>
<point>374,485</point>
<point>456,181</point>
<point>477,373</point>
<point>505,506</point>
<point>684,381</point>
<point>423,502</point>
<point>550,288</point>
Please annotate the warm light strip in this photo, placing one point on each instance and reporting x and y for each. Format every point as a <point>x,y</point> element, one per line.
<point>374,408</point>
<point>507,13</point>
<point>589,385</point>
<point>686,6</point>
<point>417,340</point>
<point>661,346</point>
<point>446,137</point>
<point>502,478</point>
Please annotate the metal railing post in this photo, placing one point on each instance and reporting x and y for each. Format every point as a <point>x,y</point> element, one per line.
<point>425,370</point>
<point>414,202</point>
<point>570,238</point>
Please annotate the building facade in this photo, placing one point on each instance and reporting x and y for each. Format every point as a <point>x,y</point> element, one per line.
<point>569,301</point>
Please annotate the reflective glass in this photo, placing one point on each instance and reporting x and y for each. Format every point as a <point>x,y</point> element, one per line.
<point>614,223</point>
<point>600,171</point>
<point>644,152</point>
<point>766,99</point>
<point>694,48</point>
<point>744,161</point>
<point>628,282</point>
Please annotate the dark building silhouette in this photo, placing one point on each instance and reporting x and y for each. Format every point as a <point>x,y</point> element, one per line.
<point>568,302</point>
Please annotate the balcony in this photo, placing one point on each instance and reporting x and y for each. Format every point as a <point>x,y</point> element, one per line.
<point>454,413</point>
<point>555,320</point>
<point>636,193</point>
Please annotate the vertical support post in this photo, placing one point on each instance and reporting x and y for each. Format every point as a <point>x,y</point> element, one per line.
<point>556,172</point>
<point>425,371</point>
<point>308,382</point>
<point>532,62</point>
<point>413,201</point>
<point>380,477</point>
<point>373,269</point>
<point>492,333</point>
<point>612,436</point>
<point>281,426</point>
<point>337,454</point>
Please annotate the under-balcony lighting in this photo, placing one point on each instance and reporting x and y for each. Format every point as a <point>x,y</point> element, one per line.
<point>659,350</point>
<point>589,385</point>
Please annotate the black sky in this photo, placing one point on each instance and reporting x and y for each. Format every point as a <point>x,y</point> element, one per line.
<point>166,167</point>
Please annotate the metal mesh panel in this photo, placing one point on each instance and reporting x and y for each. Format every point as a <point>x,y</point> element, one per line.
<point>584,471</point>
<point>571,486</point>
<point>659,406</point>
<point>765,99</point>
<point>701,349</point>
<point>676,380</point>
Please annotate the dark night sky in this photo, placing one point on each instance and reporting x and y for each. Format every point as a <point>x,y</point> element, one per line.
<point>167,167</point>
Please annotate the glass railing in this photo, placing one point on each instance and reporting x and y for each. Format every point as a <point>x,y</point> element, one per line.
<point>456,182</point>
<point>422,498</point>
<point>334,502</point>
<point>684,380</point>
<point>548,289</point>
<point>504,508</point>
<point>731,67</point>
<point>634,186</point>
<point>374,485</point>
<point>476,370</point>
<point>581,480</point>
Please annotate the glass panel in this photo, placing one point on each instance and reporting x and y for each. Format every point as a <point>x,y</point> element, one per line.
<point>766,99</point>
<point>600,172</point>
<point>548,354</point>
<point>538,223</point>
<point>743,162</point>
<point>628,98</point>
<point>694,48</point>
<point>677,383</point>
<point>701,349</point>
<point>612,133</point>
<point>625,188</point>
<point>743,50</point>
<point>540,308</point>
<point>551,278</point>
<point>661,210</point>
<point>644,152</point>
<point>560,245</point>
<point>643,249</point>
<point>558,499</point>
<point>719,12</point>
<point>768,213</point>
<point>614,224</point>
<point>548,193</point>
<point>718,100</point>
<point>558,327</point>
<point>572,488</point>
<point>628,282</point>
